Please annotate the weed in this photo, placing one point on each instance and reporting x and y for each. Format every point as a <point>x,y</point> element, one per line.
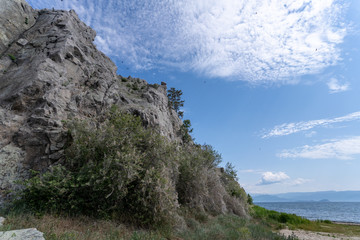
<point>12,57</point>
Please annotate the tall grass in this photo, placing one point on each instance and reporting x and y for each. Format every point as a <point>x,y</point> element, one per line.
<point>85,228</point>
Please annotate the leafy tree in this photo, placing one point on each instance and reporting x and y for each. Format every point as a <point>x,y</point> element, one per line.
<point>250,199</point>
<point>230,170</point>
<point>175,101</point>
<point>186,130</point>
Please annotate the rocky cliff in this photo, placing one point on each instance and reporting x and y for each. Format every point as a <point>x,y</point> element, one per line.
<point>51,71</point>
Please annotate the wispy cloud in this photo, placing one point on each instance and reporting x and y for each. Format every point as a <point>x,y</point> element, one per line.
<point>256,41</point>
<point>290,128</point>
<point>299,181</point>
<point>335,86</point>
<point>343,149</point>
<point>271,178</point>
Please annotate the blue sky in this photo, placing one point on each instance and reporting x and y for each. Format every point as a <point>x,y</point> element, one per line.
<point>272,85</point>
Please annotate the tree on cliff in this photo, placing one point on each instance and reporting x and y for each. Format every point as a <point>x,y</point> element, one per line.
<point>175,101</point>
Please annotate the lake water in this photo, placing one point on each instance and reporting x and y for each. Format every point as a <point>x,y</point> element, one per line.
<point>334,211</point>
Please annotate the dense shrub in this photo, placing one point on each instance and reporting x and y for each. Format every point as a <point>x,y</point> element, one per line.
<point>119,169</point>
<point>273,217</point>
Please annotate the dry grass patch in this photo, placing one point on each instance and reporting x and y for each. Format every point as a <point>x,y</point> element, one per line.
<point>69,228</point>
<point>318,226</point>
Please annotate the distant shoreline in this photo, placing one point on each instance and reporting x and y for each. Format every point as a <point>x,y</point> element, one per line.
<point>347,223</point>
<point>337,212</point>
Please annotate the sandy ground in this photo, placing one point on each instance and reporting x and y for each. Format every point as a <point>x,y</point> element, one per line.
<point>307,235</point>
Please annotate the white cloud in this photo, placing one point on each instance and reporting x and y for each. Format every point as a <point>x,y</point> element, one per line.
<point>344,149</point>
<point>310,134</point>
<point>299,181</point>
<point>271,178</point>
<point>335,86</point>
<point>256,41</point>
<point>290,128</point>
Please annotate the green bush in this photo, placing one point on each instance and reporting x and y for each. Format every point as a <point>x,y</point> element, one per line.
<point>274,218</point>
<point>229,179</point>
<point>118,170</point>
<point>175,100</point>
<point>250,200</point>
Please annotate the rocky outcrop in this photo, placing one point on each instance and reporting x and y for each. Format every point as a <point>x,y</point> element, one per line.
<point>23,234</point>
<point>15,17</point>
<point>51,71</point>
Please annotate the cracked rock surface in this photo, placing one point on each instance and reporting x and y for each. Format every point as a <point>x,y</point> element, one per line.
<point>51,71</point>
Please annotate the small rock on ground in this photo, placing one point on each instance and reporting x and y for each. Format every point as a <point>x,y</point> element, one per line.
<point>23,234</point>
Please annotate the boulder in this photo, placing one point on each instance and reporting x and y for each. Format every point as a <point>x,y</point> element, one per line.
<point>23,234</point>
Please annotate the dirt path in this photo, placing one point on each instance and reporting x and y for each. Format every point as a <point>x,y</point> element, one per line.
<point>307,235</point>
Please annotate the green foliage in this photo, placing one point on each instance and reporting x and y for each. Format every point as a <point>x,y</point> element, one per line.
<point>250,200</point>
<point>195,163</point>
<point>185,131</point>
<point>230,171</point>
<point>175,101</point>
<point>229,178</point>
<point>155,85</point>
<point>116,170</point>
<point>135,87</point>
<point>26,21</point>
<point>231,227</point>
<point>276,218</point>
<point>12,57</point>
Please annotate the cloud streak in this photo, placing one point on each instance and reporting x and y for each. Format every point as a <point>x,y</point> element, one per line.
<point>290,128</point>
<point>344,149</point>
<point>257,41</point>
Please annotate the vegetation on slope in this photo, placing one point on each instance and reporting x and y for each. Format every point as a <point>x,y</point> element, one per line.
<point>120,170</point>
<point>118,176</point>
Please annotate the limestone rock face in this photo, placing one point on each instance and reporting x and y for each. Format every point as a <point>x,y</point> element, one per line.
<point>23,234</point>
<point>16,16</point>
<point>51,71</point>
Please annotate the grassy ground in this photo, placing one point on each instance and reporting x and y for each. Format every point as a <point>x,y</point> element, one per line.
<point>81,228</point>
<point>276,221</point>
<point>262,226</point>
<point>318,226</point>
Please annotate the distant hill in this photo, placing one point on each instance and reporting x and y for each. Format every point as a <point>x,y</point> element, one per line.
<point>324,196</point>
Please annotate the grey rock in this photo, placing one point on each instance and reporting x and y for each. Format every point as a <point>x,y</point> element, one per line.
<point>2,221</point>
<point>22,42</point>
<point>23,234</point>
<point>16,16</point>
<point>11,167</point>
<point>57,73</point>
